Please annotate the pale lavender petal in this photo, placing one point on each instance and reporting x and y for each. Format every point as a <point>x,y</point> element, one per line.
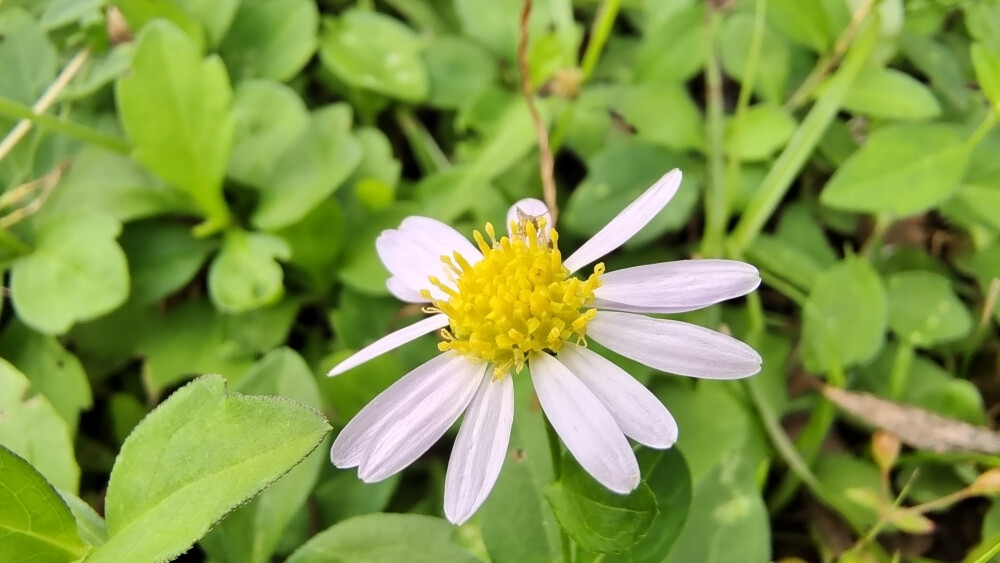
<point>674,346</point>
<point>675,287</point>
<point>404,292</point>
<point>479,449</point>
<point>413,252</point>
<point>627,223</point>
<point>585,426</point>
<point>638,412</point>
<point>390,341</point>
<point>407,433</point>
<point>533,208</point>
<point>412,389</point>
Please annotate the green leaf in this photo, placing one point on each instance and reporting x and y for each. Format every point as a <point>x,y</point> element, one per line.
<point>803,22</point>
<point>77,272</point>
<point>765,130</point>
<point>845,317</point>
<point>139,13</point>
<point>27,58</point>
<point>310,170</point>
<point>316,241</point>
<point>597,519</point>
<point>88,523</point>
<point>735,38</point>
<point>215,16</point>
<point>269,118</point>
<point>51,369</point>
<point>163,258</point>
<point>667,475</point>
<point>673,51</point>
<point>342,495</point>
<point>176,109</point>
<point>902,169</point>
<point>373,51</point>
<point>270,39</point>
<point>385,538</point>
<point>458,70</point>
<point>891,94</point>
<point>924,310</point>
<point>63,12</point>
<point>980,202</point>
<point>361,269</point>
<point>200,454</point>
<point>250,534</point>
<point>986,63</point>
<point>35,524</point>
<point>665,115</point>
<point>349,392</point>
<point>246,275</point>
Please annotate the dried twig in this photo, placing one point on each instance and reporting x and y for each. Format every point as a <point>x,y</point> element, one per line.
<point>546,160</point>
<point>43,186</point>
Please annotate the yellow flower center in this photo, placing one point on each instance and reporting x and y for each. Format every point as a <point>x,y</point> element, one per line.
<point>518,299</point>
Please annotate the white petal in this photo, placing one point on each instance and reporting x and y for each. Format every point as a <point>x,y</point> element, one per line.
<point>533,208</point>
<point>390,341</point>
<point>412,389</point>
<point>638,412</point>
<point>674,346</point>
<point>404,292</point>
<point>627,223</point>
<point>675,287</point>
<point>585,426</point>
<point>413,252</point>
<point>480,449</point>
<point>407,433</point>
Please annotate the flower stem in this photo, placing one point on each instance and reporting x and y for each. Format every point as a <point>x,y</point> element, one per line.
<point>716,202</point>
<point>555,450</point>
<point>603,22</point>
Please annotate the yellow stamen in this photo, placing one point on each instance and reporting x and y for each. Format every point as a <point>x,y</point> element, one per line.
<point>517,300</point>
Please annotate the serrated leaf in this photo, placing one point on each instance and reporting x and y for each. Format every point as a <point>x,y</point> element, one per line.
<point>35,524</point>
<point>175,107</point>
<point>924,310</point>
<point>175,478</point>
<point>902,169</point>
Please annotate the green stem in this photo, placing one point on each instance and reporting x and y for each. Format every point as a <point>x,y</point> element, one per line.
<point>900,370</point>
<point>604,21</point>
<point>882,223</point>
<point>716,202</point>
<point>986,550</point>
<point>11,108</point>
<point>985,126</point>
<point>429,156</point>
<point>555,450</point>
<point>789,164</point>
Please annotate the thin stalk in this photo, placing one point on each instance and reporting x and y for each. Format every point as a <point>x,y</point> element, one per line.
<point>900,370</point>
<point>716,202</point>
<point>429,156</point>
<point>17,110</point>
<point>555,450</point>
<point>985,126</point>
<point>788,165</point>
<point>604,21</point>
<point>986,550</point>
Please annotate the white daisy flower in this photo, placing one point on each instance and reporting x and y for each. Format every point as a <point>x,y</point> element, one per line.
<point>503,304</point>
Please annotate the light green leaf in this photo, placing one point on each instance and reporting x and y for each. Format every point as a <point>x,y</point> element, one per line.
<point>34,430</point>
<point>27,57</point>
<point>665,115</point>
<point>981,202</point>
<point>986,63</point>
<point>246,275</point>
<point>250,534</point>
<point>163,258</point>
<point>316,241</point>
<point>673,51</point>
<point>270,39</point>
<point>315,165</point>
<point>35,524</point>
<point>385,538</point>
<point>176,108</point>
<point>891,94</point>
<point>924,310</point>
<point>51,369</point>
<point>213,15</point>
<point>200,454</point>
<point>269,118</point>
<point>63,12</point>
<point>845,317</point>
<point>139,13</point>
<point>373,51</point>
<point>902,169</point>
<point>360,268</point>
<point>734,39</point>
<point>766,129</point>
<point>803,22</point>
<point>458,69</point>
<point>342,495</point>
<point>88,523</point>
<point>77,272</point>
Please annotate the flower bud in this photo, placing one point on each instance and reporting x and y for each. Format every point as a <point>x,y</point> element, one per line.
<point>885,449</point>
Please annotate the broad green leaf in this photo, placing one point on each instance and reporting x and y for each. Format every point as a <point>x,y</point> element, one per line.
<point>139,13</point>
<point>902,169</point>
<point>780,257</point>
<point>891,94</point>
<point>518,525</point>
<point>496,25</point>
<point>378,162</point>
<point>667,475</point>
<point>269,118</point>
<point>981,203</point>
<point>765,130</point>
<point>215,16</point>
<point>200,454</point>
<point>35,524</point>
<point>986,63</point>
<point>665,115</point>
<point>77,272</point>
<point>246,275</point>
<point>924,310</point>
<point>316,241</point>
<point>595,518</point>
<point>176,109</point>
<point>270,39</point>
<point>458,69</point>
<point>88,523</point>
<point>373,51</point>
<point>313,167</point>
<point>385,538</point>
<point>63,12</point>
<point>342,495</point>
<point>163,258</point>
<point>101,70</point>
<point>250,534</point>
<point>735,38</point>
<point>52,370</point>
<point>803,22</point>
<point>840,473</point>
<point>673,51</point>
<point>845,317</point>
<point>27,56</point>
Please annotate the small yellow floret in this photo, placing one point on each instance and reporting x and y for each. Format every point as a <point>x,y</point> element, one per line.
<point>517,300</point>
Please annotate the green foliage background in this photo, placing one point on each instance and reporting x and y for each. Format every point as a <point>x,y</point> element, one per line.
<point>202,192</point>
